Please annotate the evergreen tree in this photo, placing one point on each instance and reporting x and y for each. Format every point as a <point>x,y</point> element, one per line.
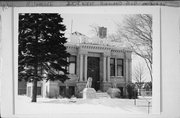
<point>41,47</point>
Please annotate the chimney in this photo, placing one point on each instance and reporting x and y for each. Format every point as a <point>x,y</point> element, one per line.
<point>102,32</point>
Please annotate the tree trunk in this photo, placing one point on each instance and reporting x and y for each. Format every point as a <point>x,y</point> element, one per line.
<point>35,79</point>
<point>34,94</point>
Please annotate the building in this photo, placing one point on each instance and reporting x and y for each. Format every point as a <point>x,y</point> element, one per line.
<point>108,64</point>
<point>22,87</point>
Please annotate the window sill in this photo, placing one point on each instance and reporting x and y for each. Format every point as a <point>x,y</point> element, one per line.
<point>116,76</point>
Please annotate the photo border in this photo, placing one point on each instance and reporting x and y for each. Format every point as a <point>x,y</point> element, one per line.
<point>10,49</point>
<point>104,10</point>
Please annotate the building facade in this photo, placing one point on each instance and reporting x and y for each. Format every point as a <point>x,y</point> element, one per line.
<point>108,65</point>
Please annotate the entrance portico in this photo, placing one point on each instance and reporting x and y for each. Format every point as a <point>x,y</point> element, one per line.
<point>98,58</point>
<point>101,56</point>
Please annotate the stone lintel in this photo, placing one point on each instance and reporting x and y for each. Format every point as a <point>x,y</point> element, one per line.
<point>82,52</point>
<point>106,54</point>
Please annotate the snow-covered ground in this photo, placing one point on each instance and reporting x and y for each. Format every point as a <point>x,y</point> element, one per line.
<point>103,105</point>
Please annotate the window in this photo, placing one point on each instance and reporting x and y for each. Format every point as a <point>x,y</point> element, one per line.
<point>119,67</point>
<point>38,90</point>
<point>71,90</point>
<point>112,65</point>
<point>62,91</point>
<point>72,65</point>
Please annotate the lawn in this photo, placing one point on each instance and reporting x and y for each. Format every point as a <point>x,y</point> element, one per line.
<point>76,105</point>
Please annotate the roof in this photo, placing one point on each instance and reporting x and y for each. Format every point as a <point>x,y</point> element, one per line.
<point>78,39</point>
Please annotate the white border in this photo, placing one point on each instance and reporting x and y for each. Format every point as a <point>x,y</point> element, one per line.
<point>7,93</point>
<point>170,61</point>
<point>8,39</point>
<point>106,10</point>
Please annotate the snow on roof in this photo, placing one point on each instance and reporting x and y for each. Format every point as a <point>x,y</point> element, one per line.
<point>78,33</point>
<point>79,38</point>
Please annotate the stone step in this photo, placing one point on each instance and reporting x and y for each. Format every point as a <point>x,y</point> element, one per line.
<point>102,95</point>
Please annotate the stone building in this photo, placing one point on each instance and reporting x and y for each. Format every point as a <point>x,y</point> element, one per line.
<point>108,63</point>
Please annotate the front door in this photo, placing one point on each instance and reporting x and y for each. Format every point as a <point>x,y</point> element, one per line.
<point>93,71</point>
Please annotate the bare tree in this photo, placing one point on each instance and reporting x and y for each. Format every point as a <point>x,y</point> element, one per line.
<point>139,75</point>
<point>136,31</point>
<point>115,37</point>
<point>95,29</point>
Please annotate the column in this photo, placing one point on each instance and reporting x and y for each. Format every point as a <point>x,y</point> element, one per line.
<point>127,70</point>
<point>115,67</point>
<point>81,68</point>
<point>85,68</point>
<point>108,69</point>
<point>78,65</point>
<point>130,69</point>
<point>104,69</point>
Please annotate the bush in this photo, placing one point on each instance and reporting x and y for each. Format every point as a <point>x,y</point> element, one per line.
<point>114,92</point>
<point>132,91</point>
<point>79,94</point>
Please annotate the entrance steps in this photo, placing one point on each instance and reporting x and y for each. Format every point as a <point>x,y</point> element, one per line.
<point>102,95</point>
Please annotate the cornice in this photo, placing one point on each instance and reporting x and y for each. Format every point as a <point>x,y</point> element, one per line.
<point>97,47</point>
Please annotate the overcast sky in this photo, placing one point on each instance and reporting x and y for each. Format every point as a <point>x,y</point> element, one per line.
<point>82,22</point>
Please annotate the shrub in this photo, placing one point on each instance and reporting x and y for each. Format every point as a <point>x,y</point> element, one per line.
<point>132,91</point>
<point>114,92</point>
<point>79,94</point>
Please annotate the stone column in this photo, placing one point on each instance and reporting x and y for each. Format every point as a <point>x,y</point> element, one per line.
<point>85,68</point>
<point>108,69</point>
<point>78,65</point>
<point>127,70</point>
<point>104,69</point>
<point>81,67</point>
<point>115,67</point>
<point>130,70</point>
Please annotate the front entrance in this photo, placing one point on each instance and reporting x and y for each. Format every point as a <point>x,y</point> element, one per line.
<point>93,71</point>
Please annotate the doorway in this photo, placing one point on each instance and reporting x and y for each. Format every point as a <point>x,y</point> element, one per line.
<point>93,70</point>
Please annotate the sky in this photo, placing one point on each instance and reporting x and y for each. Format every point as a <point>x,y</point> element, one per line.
<point>82,22</point>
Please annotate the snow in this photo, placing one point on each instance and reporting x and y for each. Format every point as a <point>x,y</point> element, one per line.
<point>103,105</point>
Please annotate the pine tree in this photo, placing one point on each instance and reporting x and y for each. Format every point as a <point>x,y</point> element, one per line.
<point>41,47</point>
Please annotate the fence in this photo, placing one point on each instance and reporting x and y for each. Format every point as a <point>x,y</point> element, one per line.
<point>145,96</point>
<point>143,92</point>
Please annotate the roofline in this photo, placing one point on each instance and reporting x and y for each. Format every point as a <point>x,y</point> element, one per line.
<point>106,47</point>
